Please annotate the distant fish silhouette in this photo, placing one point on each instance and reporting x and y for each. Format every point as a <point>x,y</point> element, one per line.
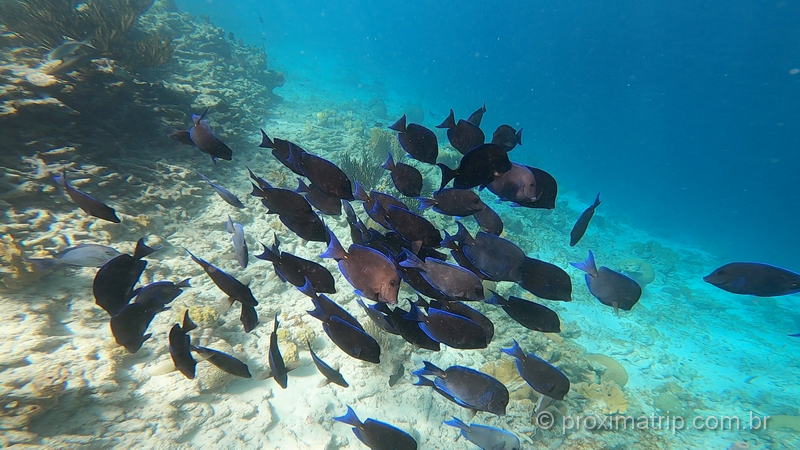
<point>86,202</point>
<point>203,137</point>
<point>748,278</point>
<point>229,197</point>
<point>579,229</point>
<point>406,179</point>
<point>507,137</point>
<point>416,140</point>
<point>276,364</point>
<point>610,287</point>
<point>476,117</point>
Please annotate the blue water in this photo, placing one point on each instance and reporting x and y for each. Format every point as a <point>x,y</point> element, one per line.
<point>683,114</point>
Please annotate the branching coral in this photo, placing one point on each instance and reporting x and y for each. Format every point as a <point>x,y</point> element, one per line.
<point>366,169</point>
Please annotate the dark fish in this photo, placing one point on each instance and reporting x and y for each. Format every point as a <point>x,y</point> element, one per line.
<point>378,316</point>
<point>450,329</point>
<point>130,324</point>
<point>416,140</point>
<point>324,202</point>
<point>203,137</point>
<point>224,361</point>
<point>229,197</point>
<point>794,335</point>
<point>83,255</point>
<point>546,191</point>
<point>486,437</point>
<point>249,317</point>
<point>407,179</point>
<point>378,435</point>
<point>276,364</point>
<point>457,252</point>
<point>156,296</point>
<point>518,185</point>
<point>453,202</point>
<point>545,280</point>
<point>69,48</point>
<point>180,350</point>
<point>358,230</point>
<point>376,204</point>
<point>469,388</point>
<point>331,375</point>
<point>414,277</point>
<point>409,329</point>
<point>283,202</point>
<point>507,137</point>
<point>543,377</point>
<point>86,202</point>
<point>113,283</point>
<point>323,174</point>
<point>462,309</point>
<point>237,239</point>
<point>583,221</point>
<point>281,149</point>
<point>478,167</point>
<point>370,272</point>
<point>328,306</point>
<point>296,270</point>
<point>451,280</point>
<point>307,226</point>
<point>497,258</point>
<point>226,283</point>
<point>610,287</point>
<point>476,117</point>
<point>415,229</point>
<point>463,135</point>
<point>530,315</point>
<point>187,325</point>
<point>489,220</point>
<point>748,278</point>
<point>352,339</point>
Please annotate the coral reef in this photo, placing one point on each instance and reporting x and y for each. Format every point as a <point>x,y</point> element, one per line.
<point>638,269</point>
<point>614,371</point>
<point>16,271</point>
<point>607,397</point>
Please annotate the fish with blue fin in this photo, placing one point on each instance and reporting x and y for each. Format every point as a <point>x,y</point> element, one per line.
<point>530,315</point>
<point>278,369</point>
<point>325,203</point>
<point>453,281</point>
<point>609,286</point>
<point>545,280</point>
<point>453,202</point>
<point>478,167</point>
<point>281,149</point>
<point>749,278</point>
<point>229,197</point>
<point>323,174</point>
<point>331,375</point>
<point>489,221</point>
<point>370,272</point>
<point>180,350</point>
<point>376,204</point>
<point>496,258</point>
<point>542,376</point>
<point>344,330</point>
<point>113,283</point>
<point>486,437</point>
<point>157,295</point>
<point>463,135</point>
<point>415,229</point>
<point>450,329</point>
<point>378,435</point>
<point>234,288</point>
<point>462,309</point>
<point>86,202</point>
<point>468,388</point>
<point>579,229</point>
<point>418,141</point>
<point>203,137</point>
<point>296,270</point>
<point>407,179</point>
<point>223,361</point>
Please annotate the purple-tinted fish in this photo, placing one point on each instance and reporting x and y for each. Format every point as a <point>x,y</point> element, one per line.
<point>450,329</point>
<point>348,336</point>
<point>415,229</point>
<point>517,185</point>
<point>113,283</point>
<point>297,270</point>
<point>542,376</point>
<point>463,135</point>
<point>86,202</point>
<point>378,435</point>
<point>476,117</point>
<point>610,287</point>
<point>406,179</point>
<point>202,136</point>
<point>417,141</point>
<point>451,280</point>
<point>223,361</point>
<point>324,202</point>
<point>545,280</point>
<point>229,197</point>
<point>376,203</point>
<point>468,388</point>
<point>323,174</point>
<point>748,278</point>
<point>496,258</point>
<point>489,221</point>
<point>453,202</point>
<point>579,229</point>
<point>530,315</point>
<point>234,288</point>
<point>370,272</point>
<point>180,350</point>
<point>281,149</point>
<point>507,137</point>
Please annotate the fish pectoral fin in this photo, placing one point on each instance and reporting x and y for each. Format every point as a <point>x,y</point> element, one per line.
<point>324,382</point>
<point>162,368</point>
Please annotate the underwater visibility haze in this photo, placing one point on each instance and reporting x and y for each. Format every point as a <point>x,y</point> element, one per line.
<point>399,225</point>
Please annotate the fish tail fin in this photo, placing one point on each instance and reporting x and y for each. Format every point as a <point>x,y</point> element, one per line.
<point>302,186</point>
<point>229,225</point>
<point>449,241</point>
<point>421,302</point>
<point>308,289</point>
<point>349,418</point>
<point>142,249</point>
<point>456,422</point>
<point>449,122</point>
<point>275,328</point>
<point>462,235</point>
<point>495,299</point>
<point>335,249</point>
<point>519,136</point>
<point>267,254</point>
<point>425,203</point>
<point>187,325</point>
<point>266,142</point>
<point>185,283</point>
<point>414,314</point>
<point>411,260</point>
<point>400,125</point>
<point>447,175</point>
<point>795,335</point>
<point>596,201</point>
<point>515,350</point>
<point>181,136</point>
<point>359,193</point>
<point>349,213</point>
<point>318,312</point>
<point>257,191</point>
<point>429,369</point>
<point>61,179</point>
<point>422,381</point>
<point>204,178</point>
<point>389,164</point>
<point>587,266</point>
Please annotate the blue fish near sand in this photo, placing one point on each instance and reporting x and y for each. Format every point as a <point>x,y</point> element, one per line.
<point>82,255</point>
<point>486,437</point>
